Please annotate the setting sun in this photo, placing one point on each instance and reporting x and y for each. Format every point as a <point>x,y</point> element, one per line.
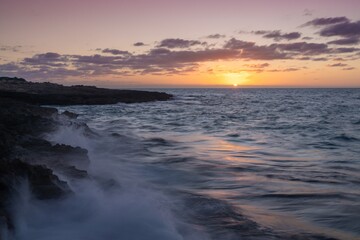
<point>236,79</point>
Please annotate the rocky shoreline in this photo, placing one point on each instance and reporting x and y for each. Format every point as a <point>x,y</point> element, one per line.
<point>25,156</point>
<point>56,94</point>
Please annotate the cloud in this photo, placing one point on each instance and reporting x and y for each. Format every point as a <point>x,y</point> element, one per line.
<point>234,43</point>
<point>320,59</point>
<point>114,51</point>
<point>6,48</point>
<point>349,69</point>
<point>303,48</point>
<point>338,27</point>
<point>346,41</point>
<point>139,44</point>
<point>262,65</point>
<point>308,12</point>
<point>278,36</point>
<point>337,65</point>
<point>249,50</point>
<point>326,21</point>
<point>46,59</point>
<point>216,36</point>
<point>179,43</point>
<point>284,70</point>
<point>345,29</point>
<point>9,67</point>
<point>180,56</point>
<point>345,50</point>
<point>307,38</point>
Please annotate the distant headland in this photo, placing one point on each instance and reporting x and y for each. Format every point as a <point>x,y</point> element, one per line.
<point>55,94</point>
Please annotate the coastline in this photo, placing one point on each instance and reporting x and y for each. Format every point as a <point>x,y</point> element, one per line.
<point>25,156</point>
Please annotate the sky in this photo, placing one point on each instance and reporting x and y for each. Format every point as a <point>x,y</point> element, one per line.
<point>171,43</point>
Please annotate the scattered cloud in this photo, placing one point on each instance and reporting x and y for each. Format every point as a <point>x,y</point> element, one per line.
<point>261,65</point>
<point>139,44</point>
<point>181,56</point>
<point>303,48</point>
<point>6,48</point>
<point>346,41</point>
<point>338,27</point>
<point>349,69</point>
<point>307,38</point>
<point>216,36</point>
<point>114,51</point>
<point>337,65</point>
<point>320,59</point>
<point>278,35</point>
<point>326,21</point>
<point>344,29</point>
<point>308,12</point>
<point>179,43</point>
<point>46,59</point>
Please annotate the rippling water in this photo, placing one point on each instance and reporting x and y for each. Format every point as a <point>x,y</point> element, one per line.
<point>224,164</point>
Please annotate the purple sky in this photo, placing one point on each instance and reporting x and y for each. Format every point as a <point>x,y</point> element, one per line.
<point>87,41</point>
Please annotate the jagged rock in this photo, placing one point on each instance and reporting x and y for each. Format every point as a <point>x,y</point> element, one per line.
<point>24,155</point>
<point>42,182</point>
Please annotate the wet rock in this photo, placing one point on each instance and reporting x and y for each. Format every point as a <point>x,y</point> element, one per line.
<point>58,156</point>
<point>42,182</point>
<point>70,115</point>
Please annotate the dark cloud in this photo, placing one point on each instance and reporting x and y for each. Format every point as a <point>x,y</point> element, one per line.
<point>320,59</point>
<point>303,48</point>
<point>46,59</point>
<point>307,38</point>
<point>346,41</point>
<point>284,70</point>
<point>215,36</point>
<point>349,68</point>
<point>139,44</point>
<point>326,21</point>
<point>337,65</point>
<point>345,50</point>
<point>345,29</point>
<point>249,50</point>
<point>260,32</point>
<point>114,51</point>
<point>338,27</point>
<point>278,36</point>
<point>179,43</point>
<point>262,65</point>
<point>238,44</point>
<point>9,67</point>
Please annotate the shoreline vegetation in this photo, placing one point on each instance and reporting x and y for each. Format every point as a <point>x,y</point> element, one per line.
<point>25,157</point>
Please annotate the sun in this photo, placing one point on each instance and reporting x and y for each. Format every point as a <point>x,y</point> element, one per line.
<point>236,79</point>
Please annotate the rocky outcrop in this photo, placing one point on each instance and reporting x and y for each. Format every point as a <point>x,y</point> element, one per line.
<point>56,94</point>
<point>26,157</point>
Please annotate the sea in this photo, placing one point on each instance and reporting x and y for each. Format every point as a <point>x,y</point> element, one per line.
<point>220,164</point>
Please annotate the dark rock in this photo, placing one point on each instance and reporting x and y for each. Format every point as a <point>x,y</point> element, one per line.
<point>25,155</point>
<point>70,114</point>
<point>55,94</point>
<point>59,156</point>
<point>42,182</point>
<point>21,125</point>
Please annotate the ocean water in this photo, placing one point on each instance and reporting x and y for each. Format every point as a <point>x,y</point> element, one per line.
<point>211,164</point>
